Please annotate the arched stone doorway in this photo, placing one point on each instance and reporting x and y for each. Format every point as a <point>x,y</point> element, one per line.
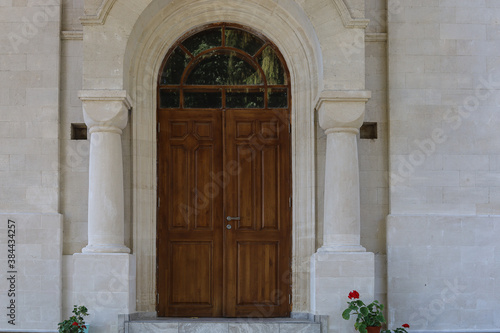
<point>300,49</point>
<point>224,176</point>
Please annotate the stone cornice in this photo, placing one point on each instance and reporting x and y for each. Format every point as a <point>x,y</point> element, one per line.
<point>376,37</point>
<point>341,111</point>
<point>72,35</point>
<point>342,96</point>
<point>105,110</point>
<point>347,19</point>
<point>106,95</point>
<point>100,16</point>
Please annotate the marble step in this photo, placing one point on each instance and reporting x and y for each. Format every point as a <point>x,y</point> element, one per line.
<point>225,325</point>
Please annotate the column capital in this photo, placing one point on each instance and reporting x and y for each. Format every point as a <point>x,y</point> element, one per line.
<point>341,110</point>
<point>105,110</point>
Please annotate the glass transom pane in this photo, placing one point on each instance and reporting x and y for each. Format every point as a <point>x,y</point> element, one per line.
<point>243,40</point>
<point>277,98</point>
<point>169,98</point>
<point>224,69</point>
<point>245,100</point>
<point>203,41</point>
<point>172,72</point>
<point>271,65</point>
<point>203,100</point>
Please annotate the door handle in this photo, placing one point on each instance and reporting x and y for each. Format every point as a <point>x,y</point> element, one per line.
<point>230,218</point>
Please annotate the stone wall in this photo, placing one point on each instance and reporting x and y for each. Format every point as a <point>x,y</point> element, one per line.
<point>442,273</point>
<point>30,272</point>
<point>29,106</point>
<point>444,81</point>
<point>75,153</point>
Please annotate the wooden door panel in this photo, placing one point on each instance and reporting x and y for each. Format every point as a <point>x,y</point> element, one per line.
<point>205,190</point>
<point>179,179</point>
<point>188,288</point>
<point>257,276</point>
<point>246,179</point>
<point>189,214</point>
<point>270,188</point>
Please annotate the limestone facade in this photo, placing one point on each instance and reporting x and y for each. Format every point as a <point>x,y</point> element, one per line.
<point>409,218</point>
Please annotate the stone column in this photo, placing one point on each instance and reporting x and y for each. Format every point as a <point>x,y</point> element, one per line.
<point>106,115</point>
<point>341,114</point>
<point>341,264</point>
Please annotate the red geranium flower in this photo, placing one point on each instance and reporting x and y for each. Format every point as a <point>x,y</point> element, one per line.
<point>74,323</point>
<point>353,295</point>
<point>406,326</point>
<point>84,326</point>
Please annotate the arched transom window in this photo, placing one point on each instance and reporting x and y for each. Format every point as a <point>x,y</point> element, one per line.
<point>223,66</point>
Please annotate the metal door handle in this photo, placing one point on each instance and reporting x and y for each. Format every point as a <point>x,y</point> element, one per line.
<point>230,218</point>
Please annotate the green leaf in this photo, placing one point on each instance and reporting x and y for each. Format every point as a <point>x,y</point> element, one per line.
<point>360,303</point>
<point>364,311</point>
<point>346,314</point>
<point>380,318</point>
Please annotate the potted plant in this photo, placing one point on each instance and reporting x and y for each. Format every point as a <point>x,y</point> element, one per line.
<point>398,330</point>
<point>369,317</point>
<point>75,323</point>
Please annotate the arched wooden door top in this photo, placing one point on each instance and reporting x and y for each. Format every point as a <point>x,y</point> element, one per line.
<point>226,66</point>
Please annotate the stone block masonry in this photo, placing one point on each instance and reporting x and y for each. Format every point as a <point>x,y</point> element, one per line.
<point>105,284</point>
<point>30,271</point>
<point>442,272</point>
<point>29,107</point>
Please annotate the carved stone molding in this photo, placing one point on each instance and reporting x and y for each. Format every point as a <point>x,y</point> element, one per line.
<point>349,22</point>
<point>72,35</point>
<point>342,110</point>
<point>105,109</point>
<point>376,37</point>
<point>100,16</point>
<point>347,19</point>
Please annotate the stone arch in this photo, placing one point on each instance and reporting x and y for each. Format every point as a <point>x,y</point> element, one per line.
<point>156,30</point>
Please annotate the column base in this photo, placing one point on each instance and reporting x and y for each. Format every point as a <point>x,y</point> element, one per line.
<point>333,276</point>
<point>109,248</point>
<point>105,284</point>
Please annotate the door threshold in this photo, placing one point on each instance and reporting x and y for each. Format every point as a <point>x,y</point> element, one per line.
<point>225,320</point>
<point>294,318</point>
<point>148,322</point>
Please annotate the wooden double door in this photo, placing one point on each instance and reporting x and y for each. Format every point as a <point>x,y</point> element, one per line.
<point>224,215</point>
